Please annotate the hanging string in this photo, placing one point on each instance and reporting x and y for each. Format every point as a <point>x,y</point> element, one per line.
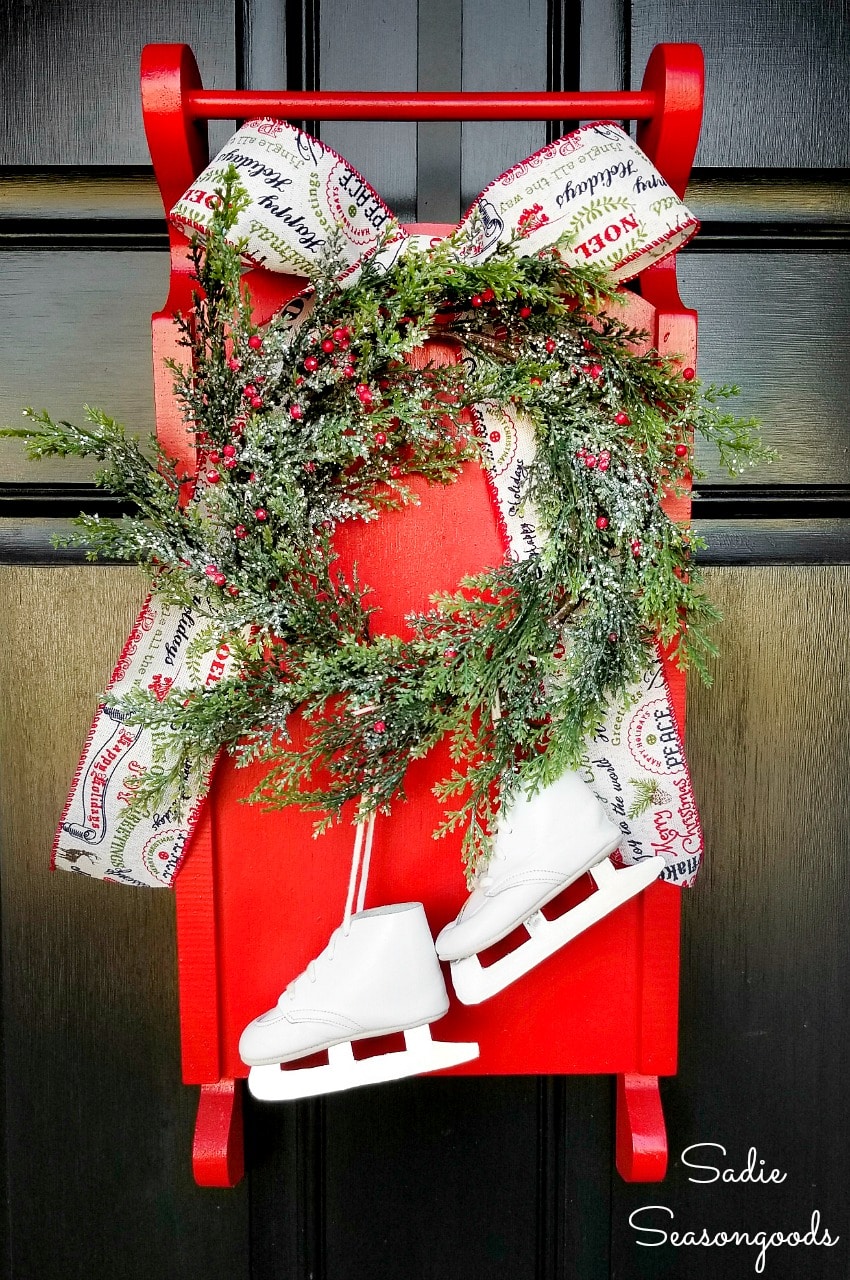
<point>367,858</point>
<point>365,830</point>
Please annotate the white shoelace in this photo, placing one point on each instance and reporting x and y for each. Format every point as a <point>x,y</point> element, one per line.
<point>360,862</point>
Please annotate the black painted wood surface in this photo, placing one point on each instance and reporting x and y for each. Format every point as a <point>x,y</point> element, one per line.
<point>70,74</point>
<point>777,90</point>
<point>765,1043</point>
<point>465,1179</point>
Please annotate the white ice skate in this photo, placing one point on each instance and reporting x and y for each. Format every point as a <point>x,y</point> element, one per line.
<point>542,845</point>
<point>379,974</point>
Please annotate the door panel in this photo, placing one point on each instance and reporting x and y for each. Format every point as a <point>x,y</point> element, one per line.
<point>79,325</point>
<point>372,45</point>
<point>517,60</point>
<point>765,1023</point>
<point>71,74</point>
<point>98,1128</point>
<point>775,324</point>
<point>776,77</point>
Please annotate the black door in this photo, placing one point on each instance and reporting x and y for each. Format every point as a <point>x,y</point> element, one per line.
<point>450,1179</point>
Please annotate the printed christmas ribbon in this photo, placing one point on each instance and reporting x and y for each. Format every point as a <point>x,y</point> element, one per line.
<point>594,184</point>
<point>99,834</point>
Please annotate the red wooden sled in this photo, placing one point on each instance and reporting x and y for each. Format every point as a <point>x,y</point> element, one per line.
<point>258,897</point>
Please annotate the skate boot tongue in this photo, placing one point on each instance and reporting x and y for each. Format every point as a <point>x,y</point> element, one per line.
<point>310,974</point>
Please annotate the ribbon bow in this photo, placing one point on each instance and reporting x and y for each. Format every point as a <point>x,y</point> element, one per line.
<point>594,187</point>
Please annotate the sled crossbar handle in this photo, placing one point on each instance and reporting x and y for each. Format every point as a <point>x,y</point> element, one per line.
<point>176,108</point>
<point>224,104</point>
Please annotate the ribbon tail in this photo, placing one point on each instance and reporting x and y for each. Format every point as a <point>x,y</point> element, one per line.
<point>100,833</point>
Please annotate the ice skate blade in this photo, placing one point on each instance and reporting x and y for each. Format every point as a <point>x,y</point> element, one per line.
<point>473,982</point>
<point>343,1071</point>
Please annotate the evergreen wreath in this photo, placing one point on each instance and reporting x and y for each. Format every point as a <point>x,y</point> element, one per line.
<point>302,426</point>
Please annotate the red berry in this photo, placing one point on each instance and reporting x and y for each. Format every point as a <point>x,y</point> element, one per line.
<point>380,439</point>
<point>296,412</point>
<point>379,726</point>
<point>249,391</point>
<point>229,451</point>
<point>612,636</point>
<point>240,531</point>
<point>230,463</point>
<point>311,364</point>
<point>689,374</point>
<point>256,402</point>
<point>449,654</point>
<point>364,393</point>
<point>328,346</point>
<point>604,464</point>
<point>589,461</point>
<point>681,451</point>
<point>488,295</point>
<point>587,344</point>
<point>234,364</point>
<point>395,472</point>
<point>622,419</point>
<point>343,344</point>
<point>477,300</point>
<point>261,514</point>
<point>213,477</point>
<point>593,370</point>
<point>255,342</point>
<point>349,371</point>
<point>215,456</point>
<point>550,345</point>
<point>525,312</point>
<point>233,591</point>
<point>636,547</point>
<point>602,522</point>
<point>211,570</point>
<point>340,335</point>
